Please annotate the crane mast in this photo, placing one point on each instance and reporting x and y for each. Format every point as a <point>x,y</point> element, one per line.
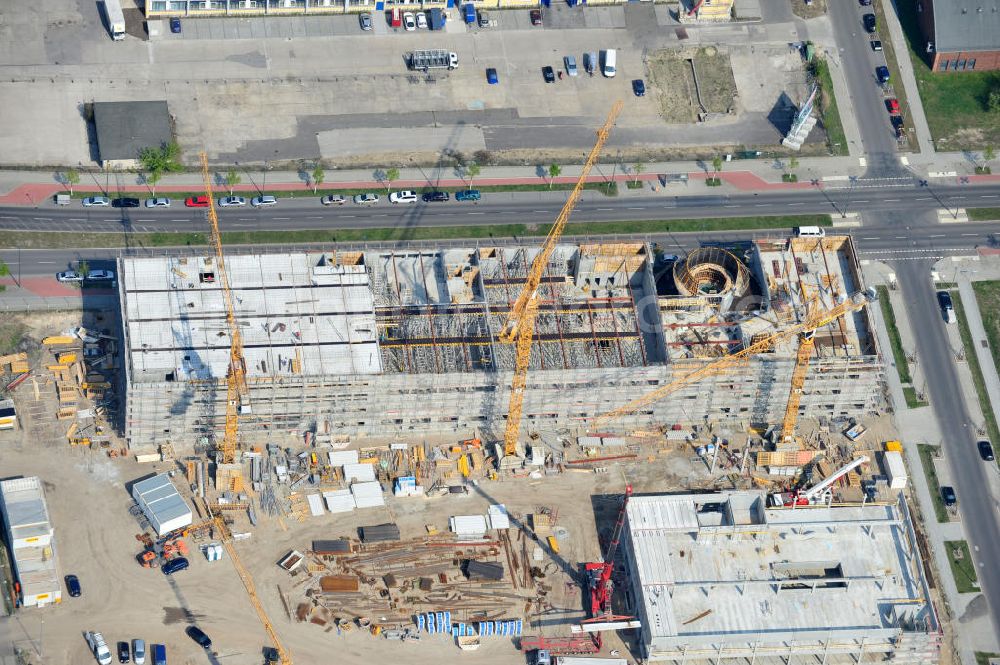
<point>520,325</point>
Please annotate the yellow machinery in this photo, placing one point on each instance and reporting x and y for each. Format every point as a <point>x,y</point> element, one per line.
<point>236,379</point>
<point>520,326</point>
<point>813,321</point>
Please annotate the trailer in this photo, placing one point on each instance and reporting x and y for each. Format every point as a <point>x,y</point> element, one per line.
<point>438,18</point>
<point>116,19</point>
<point>433,59</point>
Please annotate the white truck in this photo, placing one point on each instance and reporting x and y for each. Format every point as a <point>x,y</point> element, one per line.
<point>100,649</point>
<point>432,59</point>
<point>116,19</point>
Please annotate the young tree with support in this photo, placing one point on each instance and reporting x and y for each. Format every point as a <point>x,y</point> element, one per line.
<point>554,172</point>
<point>318,176</point>
<point>232,179</point>
<point>472,170</point>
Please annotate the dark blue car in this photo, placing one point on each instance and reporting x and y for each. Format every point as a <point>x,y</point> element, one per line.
<point>639,88</point>
<point>72,585</point>
<point>468,195</point>
<point>491,76</point>
<point>882,74</point>
<point>174,565</point>
<point>175,25</point>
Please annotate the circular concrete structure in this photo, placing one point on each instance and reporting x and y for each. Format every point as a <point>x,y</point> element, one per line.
<point>711,271</point>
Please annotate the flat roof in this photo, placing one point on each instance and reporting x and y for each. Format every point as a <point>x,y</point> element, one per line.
<point>723,567</point>
<point>966,25</point>
<point>298,316</point>
<point>24,505</point>
<point>159,496</point>
<point>125,128</point>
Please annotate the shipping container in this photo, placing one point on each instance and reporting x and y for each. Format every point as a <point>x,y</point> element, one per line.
<point>895,469</point>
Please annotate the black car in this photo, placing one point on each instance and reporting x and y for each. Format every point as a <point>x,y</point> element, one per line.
<point>548,74</point>
<point>869,21</point>
<point>125,203</point>
<point>948,494</point>
<point>123,652</point>
<point>986,451</point>
<point>435,196</point>
<point>72,585</point>
<point>196,634</point>
<point>897,122</point>
<point>536,16</point>
<point>639,87</point>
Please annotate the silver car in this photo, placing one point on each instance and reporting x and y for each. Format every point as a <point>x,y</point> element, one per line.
<point>96,201</point>
<point>366,199</point>
<point>229,201</point>
<point>265,200</point>
<point>333,200</point>
<point>69,276</point>
<point>158,203</point>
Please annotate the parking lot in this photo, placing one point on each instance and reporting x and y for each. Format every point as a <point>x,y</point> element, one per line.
<point>289,88</point>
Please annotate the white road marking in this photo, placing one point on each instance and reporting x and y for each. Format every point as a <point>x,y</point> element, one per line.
<point>890,201</point>
<point>989,196</point>
<point>796,204</point>
<point>873,238</point>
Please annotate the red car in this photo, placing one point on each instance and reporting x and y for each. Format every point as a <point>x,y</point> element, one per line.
<point>395,17</point>
<point>892,105</point>
<point>536,16</point>
<point>196,202</point>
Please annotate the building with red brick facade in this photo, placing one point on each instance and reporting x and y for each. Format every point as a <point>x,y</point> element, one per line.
<point>961,35</point>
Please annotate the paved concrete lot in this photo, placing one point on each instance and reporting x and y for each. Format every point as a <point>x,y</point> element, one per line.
<point>296,88</point>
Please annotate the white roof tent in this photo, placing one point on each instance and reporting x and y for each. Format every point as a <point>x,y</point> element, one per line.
<point>30,536</point>
<point>722,577</point>
<point>162,505</point>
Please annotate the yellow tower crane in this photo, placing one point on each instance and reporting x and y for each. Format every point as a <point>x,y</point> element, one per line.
<point>807,328</point>
<point>520,325</point>
<point>236,377</point>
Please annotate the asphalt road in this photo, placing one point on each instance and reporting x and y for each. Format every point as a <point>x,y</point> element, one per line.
<point>978,508</point>
<point>902,196</point>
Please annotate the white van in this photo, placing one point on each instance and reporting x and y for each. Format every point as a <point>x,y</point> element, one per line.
<point>63,199</point>
<point>610,63</point>
<point>810,232</point>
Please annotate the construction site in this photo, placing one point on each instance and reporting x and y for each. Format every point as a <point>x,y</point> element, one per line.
<point>396,453</point>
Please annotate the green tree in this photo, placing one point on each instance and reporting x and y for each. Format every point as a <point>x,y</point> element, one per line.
<point>152,178</point>
<point>793,163</point>
<point>318,176</point>
<point>233,178</point>
<point>994,101</point>
<point>391,174</point>
<point>637,169</point>
<point>83,267</point>
<point>472,170</point>
<point>554,172</point>
<point>71,177</point>
<point>717,164</point>
<point>4,269</point>
<point>989,154</point>
<point>165,159</point>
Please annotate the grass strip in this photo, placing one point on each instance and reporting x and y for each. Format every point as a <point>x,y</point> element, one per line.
<point>912,400</point>
<point>962,567</point>
<point>983,657</point>
<point>895,76</point>
<point>42,240</point>
<point>983,214</point>
<point>975,369</point>
<point>835,137</point>
<point>927,454</point>
<point>894,339</point>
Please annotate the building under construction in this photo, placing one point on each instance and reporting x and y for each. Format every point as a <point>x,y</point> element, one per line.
<point>393,343</point>
<point>722,577</point>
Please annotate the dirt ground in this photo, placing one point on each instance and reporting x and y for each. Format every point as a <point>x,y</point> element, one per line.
<point>811,10</point>
<point>671,71</point>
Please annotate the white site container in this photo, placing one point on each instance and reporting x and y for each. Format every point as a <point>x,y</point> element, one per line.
<point>895,469</point>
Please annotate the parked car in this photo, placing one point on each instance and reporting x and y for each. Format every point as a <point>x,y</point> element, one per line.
<point>404,196</point>
<point>897,122</point>
<point>985,451</point>
<point>72,585</point>
<point>366,21</point>
<point>158,203</point>
<point>395,17</point>
<point>469,13</point>
<point>100,276</point>
<point>196,202</point>
<point>491,76</point>
<point>409,23</point>
<point>96,202</point>
<point>333,200</point>
<point>468,195</point>
<point>175,25</point>
<point>892,105</point>
<point>124,655</point>
<point>175,565</point>
<point>139,652</point>
<point>199,636</point>
<point>422,20</point>
<point>536,16</point>
<point>570,63</point>
<point>947,308</point>
<point>97,646</point>
<point>870,22</point>
<point>159,654</point>
<point>865,3</point>
<point>882,74</point>
<point>230,201</point>
<point>69,276</point>
<point>548,74</point>
<point>639,88</point>
<point>484,19</point>
<point>263,201</point>
<point>125,203</point>
<point>948,495</point>
<point>366,199</point>
<point>429,197</point>
<point>876,45</point>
